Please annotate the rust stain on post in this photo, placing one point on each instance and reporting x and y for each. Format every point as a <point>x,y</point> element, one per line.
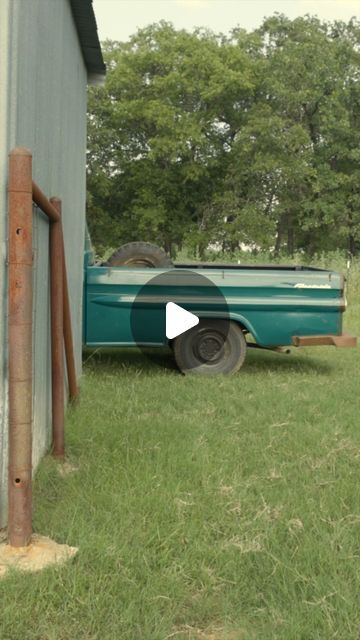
<point>68,339</point>
<point>57,351</point>
<point>20,347</point>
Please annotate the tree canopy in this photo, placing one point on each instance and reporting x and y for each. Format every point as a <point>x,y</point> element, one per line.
<point>252,138</point>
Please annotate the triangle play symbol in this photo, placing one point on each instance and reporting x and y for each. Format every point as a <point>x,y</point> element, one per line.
<point>178,320</point>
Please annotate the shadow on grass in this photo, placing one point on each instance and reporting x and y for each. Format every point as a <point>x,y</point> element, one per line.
<point>130,358</point>
<point>151,360</point>
<point>261,360</point>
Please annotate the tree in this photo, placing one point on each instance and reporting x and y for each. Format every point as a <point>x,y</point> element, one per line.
<point>160,130</point>
<point>294,134</point>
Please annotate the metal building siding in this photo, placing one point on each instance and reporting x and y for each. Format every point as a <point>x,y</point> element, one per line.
<point>47,113</point>
<point>4,132</point>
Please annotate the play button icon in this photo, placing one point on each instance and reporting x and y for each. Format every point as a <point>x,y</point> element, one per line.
<point>168,305</point>
<point>178,320</point>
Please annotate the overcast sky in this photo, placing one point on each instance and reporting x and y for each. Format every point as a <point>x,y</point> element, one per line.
<point>119,19</point>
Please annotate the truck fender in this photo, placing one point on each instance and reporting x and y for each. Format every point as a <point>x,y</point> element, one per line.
<point>236,317</point>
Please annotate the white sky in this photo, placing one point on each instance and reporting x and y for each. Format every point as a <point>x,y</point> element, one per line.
<point>119,19</point>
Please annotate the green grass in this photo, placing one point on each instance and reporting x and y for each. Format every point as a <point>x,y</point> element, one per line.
<point>212,509</point>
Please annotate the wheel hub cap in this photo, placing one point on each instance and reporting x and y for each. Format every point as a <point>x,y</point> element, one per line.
<point>209,348</point>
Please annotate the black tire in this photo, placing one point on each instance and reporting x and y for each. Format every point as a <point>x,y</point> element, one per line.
<point>212,347</point>
<point>139,254</point>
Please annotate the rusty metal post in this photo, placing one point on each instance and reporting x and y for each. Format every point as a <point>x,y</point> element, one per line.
<point>68,339</point>
<point>44,204</point>
<point>57,352</point>
<point>20,347</point>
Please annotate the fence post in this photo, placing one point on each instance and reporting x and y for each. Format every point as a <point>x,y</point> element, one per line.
<point>20,347</point>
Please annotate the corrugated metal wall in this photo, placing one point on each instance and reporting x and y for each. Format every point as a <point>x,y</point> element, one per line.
<point>45,110</point>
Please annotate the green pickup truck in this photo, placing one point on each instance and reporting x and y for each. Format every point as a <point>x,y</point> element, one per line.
<point>235,306</point>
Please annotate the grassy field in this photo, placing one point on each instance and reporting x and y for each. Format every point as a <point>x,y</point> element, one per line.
<point>204,509</point>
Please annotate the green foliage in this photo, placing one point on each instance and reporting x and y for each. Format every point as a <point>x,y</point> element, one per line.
<point>252,138</point>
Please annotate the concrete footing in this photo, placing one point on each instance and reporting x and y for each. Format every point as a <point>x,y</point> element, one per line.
<point>40,553</point>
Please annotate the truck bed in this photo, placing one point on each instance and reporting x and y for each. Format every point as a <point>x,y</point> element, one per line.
<point>274,303</point>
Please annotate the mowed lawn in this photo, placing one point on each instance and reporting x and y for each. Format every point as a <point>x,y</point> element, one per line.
<point>203,508</point>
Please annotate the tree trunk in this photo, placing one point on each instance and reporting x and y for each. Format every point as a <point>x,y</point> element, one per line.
<point>352,245</point>
<point>279,235</point>
<point>290,237</point>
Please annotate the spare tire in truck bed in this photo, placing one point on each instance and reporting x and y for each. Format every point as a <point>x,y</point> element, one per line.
<point>139,254</point>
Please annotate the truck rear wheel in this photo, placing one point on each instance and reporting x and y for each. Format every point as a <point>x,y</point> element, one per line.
<point>139,254</point>
<point>212,347</point>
